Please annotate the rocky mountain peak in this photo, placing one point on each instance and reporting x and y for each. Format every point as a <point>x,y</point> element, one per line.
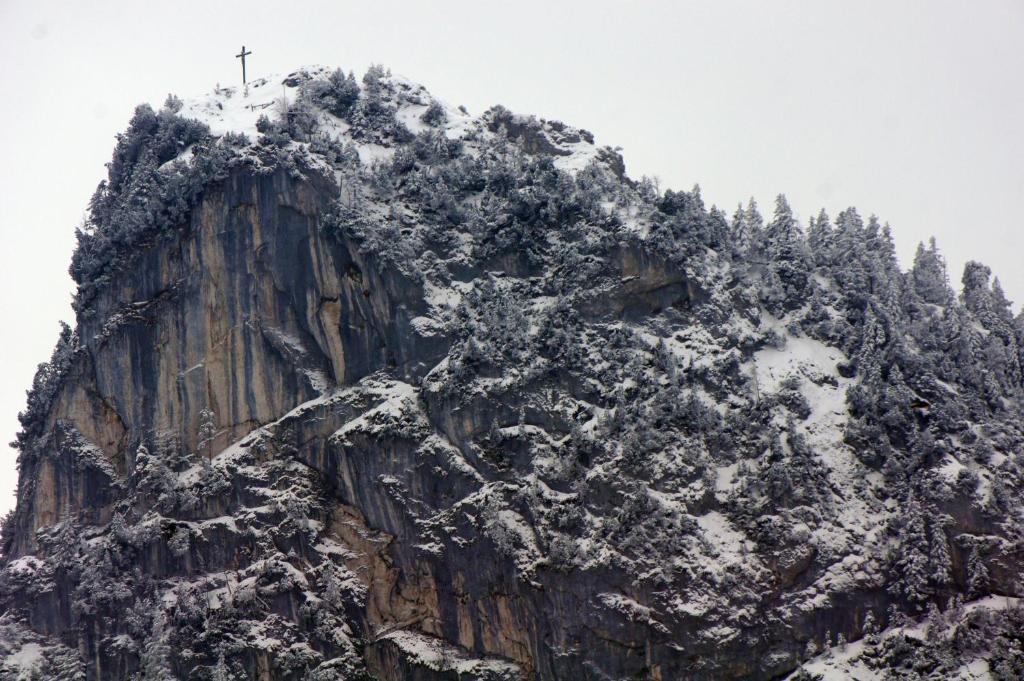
<point>365,387</point>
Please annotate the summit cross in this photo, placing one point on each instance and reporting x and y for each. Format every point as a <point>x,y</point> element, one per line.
<point>241,55</point>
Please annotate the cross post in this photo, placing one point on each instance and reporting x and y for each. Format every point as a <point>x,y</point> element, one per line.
<point>241,55</point>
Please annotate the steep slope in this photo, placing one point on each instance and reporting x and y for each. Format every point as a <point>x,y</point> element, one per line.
<point>365,387</point>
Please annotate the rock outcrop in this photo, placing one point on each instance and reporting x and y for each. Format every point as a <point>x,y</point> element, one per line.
<point>447,398</point>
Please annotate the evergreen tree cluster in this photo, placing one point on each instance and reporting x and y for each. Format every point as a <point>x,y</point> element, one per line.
<point>47,380</point>
<point>143,199</point>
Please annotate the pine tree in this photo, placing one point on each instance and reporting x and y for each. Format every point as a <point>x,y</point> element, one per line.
<point>155,657</point>
<point>977,574</point>
<point>999,297</point>
<point>156,477</point>
<point>434,115</point>
<point>332,588</point>
<point>120,530</point>
<point>747,225</point>
<point>851,270</point>
<point>342,93</point>
<point>180,542</point>
<point>912,557</point>
<point>928,275</point>
<point>142,460</point>
<point>220,671</point>
<point>896,617</point>
<point>785,246</point>
<point>956,608</point>
<point>938,557</point>
<point>494,434</point>
<point>870,627</point>
<point>755,223</point>
<point>819,239</point>
<point>738,234</point>
<point>207,431</point>
<point>936,623</point>
<point>884,276</point>
<point>717,227</point>
<point>873,340</point>
<point>976,294</point>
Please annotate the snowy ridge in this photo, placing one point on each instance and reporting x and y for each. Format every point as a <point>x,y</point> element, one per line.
<point>237,110</point>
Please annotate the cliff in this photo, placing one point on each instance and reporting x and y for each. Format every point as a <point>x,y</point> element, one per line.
<point>393,392</point>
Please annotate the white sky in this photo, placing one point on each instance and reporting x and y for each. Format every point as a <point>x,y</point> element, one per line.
<point>910,110</point>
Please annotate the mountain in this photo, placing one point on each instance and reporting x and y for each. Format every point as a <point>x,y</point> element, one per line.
<point>365,387</point>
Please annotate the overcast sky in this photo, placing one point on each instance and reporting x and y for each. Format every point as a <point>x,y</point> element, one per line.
<point>911,110</point>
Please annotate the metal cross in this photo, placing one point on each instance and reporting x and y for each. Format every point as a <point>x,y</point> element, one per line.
<point>241,55</point>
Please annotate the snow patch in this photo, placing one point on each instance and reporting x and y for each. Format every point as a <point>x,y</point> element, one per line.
<point>26,660</point>
<point>719,532</point>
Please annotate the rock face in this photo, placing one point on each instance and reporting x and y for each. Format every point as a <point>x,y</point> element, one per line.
<point>433,406</point>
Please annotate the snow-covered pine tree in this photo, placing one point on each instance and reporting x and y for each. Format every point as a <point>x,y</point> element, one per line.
<point>789,260</point>
<point>977,574</point>
<point>207,431</point>
<point>154,659</point>
<point>911,558</point>
<point>820,239</point>
<point>939,559</point>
